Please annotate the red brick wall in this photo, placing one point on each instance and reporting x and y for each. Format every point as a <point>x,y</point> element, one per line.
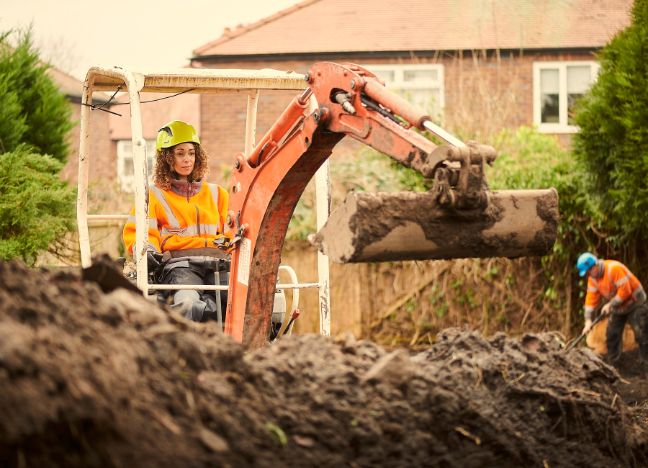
<point>223,122</point>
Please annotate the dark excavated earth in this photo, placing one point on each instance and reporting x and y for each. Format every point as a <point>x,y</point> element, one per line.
<point>94,379</point>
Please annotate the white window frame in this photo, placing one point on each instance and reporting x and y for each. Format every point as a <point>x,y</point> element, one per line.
<point>126,182</point>
<point>562,126</point>
<point>399,84</point>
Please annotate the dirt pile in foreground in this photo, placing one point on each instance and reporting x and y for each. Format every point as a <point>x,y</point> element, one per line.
<point>93,379</point>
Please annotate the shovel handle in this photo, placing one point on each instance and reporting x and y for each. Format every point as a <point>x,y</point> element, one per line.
<point>583,335</point>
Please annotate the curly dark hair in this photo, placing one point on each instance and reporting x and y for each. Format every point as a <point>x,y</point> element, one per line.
<point>164,166</point>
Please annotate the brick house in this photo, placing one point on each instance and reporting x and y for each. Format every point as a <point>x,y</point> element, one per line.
<point>477,65</point>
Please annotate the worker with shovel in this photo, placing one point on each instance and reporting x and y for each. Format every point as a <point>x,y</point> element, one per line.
<point>625,301</point>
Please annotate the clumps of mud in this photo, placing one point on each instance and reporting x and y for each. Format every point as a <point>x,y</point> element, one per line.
<point>94,379</point>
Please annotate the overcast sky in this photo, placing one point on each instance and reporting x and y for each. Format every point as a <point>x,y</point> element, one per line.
<point>76,34</point>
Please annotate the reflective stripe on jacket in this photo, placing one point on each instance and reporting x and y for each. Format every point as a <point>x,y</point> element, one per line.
<point>179,222</point>
<point>617,285</point>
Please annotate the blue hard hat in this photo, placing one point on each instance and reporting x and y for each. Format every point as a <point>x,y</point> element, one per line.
<point>585,262</point>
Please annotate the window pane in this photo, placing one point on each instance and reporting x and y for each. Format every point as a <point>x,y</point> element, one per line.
<point>386,75</point>
<point>549,81</point>
<point>571,101</point>
<point>128,166</point>
<point>549,97</point>
<point>150,156</point>
<point>550,111</point>
<point>420,75</point>
<point>150,148</point>
<point>125,162</point>
<point>578,79</point>
<point>426,99</point>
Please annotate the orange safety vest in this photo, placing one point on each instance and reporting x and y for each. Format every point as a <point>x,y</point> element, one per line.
<point>617,285</point>
<point>177,222</point>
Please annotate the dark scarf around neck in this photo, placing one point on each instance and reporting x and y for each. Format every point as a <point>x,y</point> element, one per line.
<point>185,188</point>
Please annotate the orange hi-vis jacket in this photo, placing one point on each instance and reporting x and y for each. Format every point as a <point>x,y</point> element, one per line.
<point>177,222</point>
<point>617,285</point>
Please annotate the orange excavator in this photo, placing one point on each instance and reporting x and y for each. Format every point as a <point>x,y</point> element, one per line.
<point>458,218</point>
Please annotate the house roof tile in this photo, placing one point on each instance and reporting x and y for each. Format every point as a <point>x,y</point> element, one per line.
<point>317,26</point>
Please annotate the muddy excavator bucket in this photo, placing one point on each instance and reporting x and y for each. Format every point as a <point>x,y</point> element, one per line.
<point>374,227</point>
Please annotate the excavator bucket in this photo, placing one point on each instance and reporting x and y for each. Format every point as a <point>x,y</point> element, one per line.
<point>375,227</point>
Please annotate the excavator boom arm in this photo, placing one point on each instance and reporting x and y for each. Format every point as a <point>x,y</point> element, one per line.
<point>341,100</point>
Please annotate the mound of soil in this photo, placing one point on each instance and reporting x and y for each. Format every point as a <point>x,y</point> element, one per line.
<point>96,379</point>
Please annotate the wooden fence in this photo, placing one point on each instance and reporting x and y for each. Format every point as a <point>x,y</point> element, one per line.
<point>407,303</point>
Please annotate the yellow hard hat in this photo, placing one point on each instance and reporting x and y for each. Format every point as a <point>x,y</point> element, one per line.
<point>174,133</point>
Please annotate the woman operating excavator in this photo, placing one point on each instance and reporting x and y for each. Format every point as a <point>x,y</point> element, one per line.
<point>186,225</point>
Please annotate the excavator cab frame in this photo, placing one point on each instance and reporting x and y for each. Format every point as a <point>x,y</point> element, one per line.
<point>204,81</point>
